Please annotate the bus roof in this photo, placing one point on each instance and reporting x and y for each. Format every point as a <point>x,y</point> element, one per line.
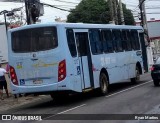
<point>79,25</point>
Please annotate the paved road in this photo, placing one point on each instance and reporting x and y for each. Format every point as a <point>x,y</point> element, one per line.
<point>123,99</point>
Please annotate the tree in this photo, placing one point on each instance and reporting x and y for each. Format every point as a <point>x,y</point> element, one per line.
<point>96,11</point>
<point>89,11</point>
<point>128,16</point>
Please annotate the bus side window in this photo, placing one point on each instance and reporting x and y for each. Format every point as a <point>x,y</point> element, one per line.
<point>107,41</point>
<point>71,42</point>
<point>129,40</point>
<point>124,40</point>
<point>133,40</point>
<point>129,45</point>
<point>95,41</point>
<point>136,39</point>
<point>117,40</point>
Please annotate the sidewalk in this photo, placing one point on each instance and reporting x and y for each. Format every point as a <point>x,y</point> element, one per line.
<point>13,102</point>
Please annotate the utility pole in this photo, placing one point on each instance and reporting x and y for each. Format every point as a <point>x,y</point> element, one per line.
<point>27,12</point>
<point>115,4</point>
<point>111,11</point>
<point>142,7</point>
<point>32,11</point>
<point>121,12</point>
<point>146,36</point>
<point>143,18</point>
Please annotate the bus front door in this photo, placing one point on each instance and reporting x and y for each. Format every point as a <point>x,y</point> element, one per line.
<point>85,61</point>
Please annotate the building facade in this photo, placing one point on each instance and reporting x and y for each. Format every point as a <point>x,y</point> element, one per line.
<point>3,45</point>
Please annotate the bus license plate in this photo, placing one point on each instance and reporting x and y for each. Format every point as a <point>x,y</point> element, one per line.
<point>37,81</point>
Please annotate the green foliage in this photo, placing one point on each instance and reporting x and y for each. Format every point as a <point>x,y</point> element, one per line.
<point>128,16</point>
<point>96,11</point>
<point>89,11</point>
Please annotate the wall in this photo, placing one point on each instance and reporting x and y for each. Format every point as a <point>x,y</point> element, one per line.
<point>154,29</point>
<point>3,45</point>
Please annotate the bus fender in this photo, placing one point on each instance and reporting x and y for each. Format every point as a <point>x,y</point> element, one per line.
<point>139,67</point>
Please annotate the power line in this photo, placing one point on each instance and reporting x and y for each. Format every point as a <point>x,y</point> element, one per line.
<point>56,7</point>
<point>153,13</point>
<point>65,1</point>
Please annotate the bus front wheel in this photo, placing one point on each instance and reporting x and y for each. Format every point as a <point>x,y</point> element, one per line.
<point>156,82</point>
<point>137,77</point>
<point>103,90</point>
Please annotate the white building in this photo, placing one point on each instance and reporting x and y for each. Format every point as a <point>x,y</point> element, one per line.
<point>3,45</point>
<point>153,51</point>
<point>154,34</point>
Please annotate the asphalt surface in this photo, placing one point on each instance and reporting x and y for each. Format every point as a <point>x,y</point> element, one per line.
<point>123,103</point>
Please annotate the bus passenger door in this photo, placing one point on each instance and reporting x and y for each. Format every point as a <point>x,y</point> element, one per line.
<point>85,62</point>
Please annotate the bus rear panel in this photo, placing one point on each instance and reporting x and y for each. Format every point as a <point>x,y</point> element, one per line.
<point>36,62</point>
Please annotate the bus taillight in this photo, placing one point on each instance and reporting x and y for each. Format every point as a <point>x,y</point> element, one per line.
<point>62,71</point>
<point>152,68</point>
<point>13,75</point>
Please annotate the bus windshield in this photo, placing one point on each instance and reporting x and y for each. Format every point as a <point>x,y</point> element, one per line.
<point>33,40</point>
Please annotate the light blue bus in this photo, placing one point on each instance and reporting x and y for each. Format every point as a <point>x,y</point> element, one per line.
<point>61,58</point>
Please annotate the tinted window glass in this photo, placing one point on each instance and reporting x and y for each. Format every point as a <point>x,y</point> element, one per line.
<point>36,39</point>
<point>124,40</point>
<point>126,43</point>
<point>82,39</point>
<point>95,41</point>
<point>117,39</point>
<point>129,44</point>
<point>136,40</point>
<point>71,42</point>
<point>133,41</point>
<point>107,41</point>
<point>130,39</point>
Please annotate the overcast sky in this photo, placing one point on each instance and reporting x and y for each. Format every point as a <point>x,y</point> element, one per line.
<point>152,7</point>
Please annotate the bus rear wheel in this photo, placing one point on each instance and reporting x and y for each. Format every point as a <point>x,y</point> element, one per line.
<point>156,82</point>
<point>103,90</point>
<point>137,77</point>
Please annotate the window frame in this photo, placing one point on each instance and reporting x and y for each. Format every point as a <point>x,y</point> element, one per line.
<point>30,32</point>
<point>74,53</point>
<point>98,48</point>
<point>106,42</point>
<point>117,41</point>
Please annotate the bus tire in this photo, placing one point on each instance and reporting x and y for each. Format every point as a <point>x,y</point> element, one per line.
<point>103,90</point>
<point>156,83</point>
<point>137,77</point>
